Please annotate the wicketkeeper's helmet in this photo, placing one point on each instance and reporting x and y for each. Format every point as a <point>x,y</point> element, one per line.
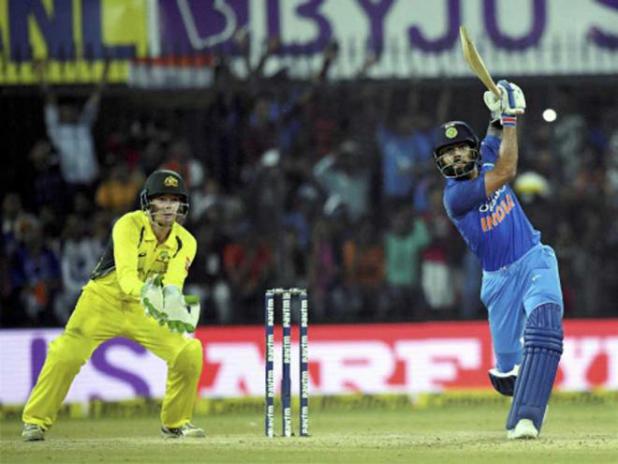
<point>165,182</point>
<point>453,133</point>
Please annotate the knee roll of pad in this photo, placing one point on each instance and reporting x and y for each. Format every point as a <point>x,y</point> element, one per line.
<point>544,329</point>
<point>542,349</point>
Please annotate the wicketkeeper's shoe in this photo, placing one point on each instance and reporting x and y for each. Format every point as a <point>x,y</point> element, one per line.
<point>188,430</point>
<point>524,429</point>
<point>33,432</point>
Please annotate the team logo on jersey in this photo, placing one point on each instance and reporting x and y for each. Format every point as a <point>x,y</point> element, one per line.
<point>450,132</point>
<point>170,181</point>
<point>164,257</point>
<point>498,212</point>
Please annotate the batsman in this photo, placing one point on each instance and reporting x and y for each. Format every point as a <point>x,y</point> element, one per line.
<point>135,291</point>
<point>521,285</point>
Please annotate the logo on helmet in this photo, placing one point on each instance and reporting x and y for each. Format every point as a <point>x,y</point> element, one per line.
<point>170,181</point>
<point>450,132</point>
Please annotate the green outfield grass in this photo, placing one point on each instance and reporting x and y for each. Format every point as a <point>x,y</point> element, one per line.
<point>574,433</point>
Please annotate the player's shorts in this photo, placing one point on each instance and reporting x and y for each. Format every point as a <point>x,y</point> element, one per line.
<point>512,292</point>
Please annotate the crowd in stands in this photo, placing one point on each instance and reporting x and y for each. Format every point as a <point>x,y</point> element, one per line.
<point>324,185</point>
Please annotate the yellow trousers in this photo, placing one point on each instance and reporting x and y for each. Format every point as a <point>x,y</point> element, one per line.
<point>95,320</point>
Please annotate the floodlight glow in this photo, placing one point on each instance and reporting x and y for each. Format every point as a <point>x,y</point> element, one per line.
<point>549,115</point>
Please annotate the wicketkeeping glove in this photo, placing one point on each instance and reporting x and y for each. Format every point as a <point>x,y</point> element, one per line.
<point>511,103</point>
<point>152,298</point>
<point>182,313</point>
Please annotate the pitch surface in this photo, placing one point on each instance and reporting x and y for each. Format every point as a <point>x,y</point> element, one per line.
<point>574,433</point>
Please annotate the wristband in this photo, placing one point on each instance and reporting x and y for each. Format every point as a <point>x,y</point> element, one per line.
<point>508,120</point>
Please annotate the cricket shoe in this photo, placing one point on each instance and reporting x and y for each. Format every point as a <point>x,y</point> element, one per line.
<point>33,432</point>
<point>524,429</point>
<point>188,430</point>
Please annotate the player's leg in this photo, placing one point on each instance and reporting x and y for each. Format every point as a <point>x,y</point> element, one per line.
<point>542,349</point>
<point>91,323</point>
<point>543,337</point>
<point>506,318</point>
<point>180,392</point>
<point>184,361</point>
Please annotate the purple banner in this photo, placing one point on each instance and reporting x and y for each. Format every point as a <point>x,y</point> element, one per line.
<point>405,36</point>
<point>99,360</point>
<point>198,25</point>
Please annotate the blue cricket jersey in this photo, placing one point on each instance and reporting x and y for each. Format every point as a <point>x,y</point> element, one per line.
<point>495,228</point>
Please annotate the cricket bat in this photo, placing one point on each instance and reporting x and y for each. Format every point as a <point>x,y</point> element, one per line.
<point>475,62</point>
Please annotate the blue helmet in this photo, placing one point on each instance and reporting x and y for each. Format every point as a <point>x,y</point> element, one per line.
<point>453,133</point>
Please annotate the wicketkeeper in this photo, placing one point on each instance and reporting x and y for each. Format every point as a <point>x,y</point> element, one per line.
<point>135,291</point>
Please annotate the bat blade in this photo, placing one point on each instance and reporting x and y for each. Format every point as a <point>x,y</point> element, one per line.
<point>475,61</point>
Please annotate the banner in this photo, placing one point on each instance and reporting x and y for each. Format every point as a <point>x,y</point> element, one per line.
<point>408,37</point>
<point>368,359</point>
<point>72,36</point>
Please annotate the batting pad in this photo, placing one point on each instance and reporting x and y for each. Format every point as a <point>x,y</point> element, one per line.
<point>542,349</point>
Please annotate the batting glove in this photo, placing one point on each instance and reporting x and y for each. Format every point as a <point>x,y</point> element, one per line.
<point>182,313</point>
<point>511,103</point>
<point>152,298</point>
<point>494,104</point>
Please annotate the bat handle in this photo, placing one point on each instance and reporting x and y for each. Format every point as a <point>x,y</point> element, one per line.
<point>494,89</point>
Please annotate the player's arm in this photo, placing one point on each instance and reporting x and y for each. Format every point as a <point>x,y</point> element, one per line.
<point>40,71</point>
<point>181,312</point>
<point>52,115</point>
<point>505,168</point>
<point>178,266</point>
<point>91,108</point>
<point>511,104</point>
<point>125,235</point>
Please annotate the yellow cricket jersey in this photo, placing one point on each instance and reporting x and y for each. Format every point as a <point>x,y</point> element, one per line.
<point>133,254</point>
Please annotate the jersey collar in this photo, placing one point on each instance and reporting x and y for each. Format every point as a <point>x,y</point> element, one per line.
<point>149,234</point>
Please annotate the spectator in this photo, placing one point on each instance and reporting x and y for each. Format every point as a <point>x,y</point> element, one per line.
<point>326,264</point>
<point>249,264</point>
<point>266,195</point>
<point>78,258</point>
<point>302,214</point>
<point>569,137</point>
<point>363,268</point>
<point>403,243</point>
<point>436,270</point>
<point>11,211</point>
<point>311,125</point>
<point>35,275</point>
<point>180,159</point>
<point>70,130</point>
<point>118,192</point>
<point>344,173</point>
<point>208,278</point>
<point>292,264</point>
<point>48,186</point>
<point>406,154</point>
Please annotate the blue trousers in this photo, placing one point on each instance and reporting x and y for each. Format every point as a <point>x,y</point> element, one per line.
<point>511,293</point>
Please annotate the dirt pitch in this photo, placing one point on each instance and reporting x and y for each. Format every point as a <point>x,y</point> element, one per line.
<point>574,433</point>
